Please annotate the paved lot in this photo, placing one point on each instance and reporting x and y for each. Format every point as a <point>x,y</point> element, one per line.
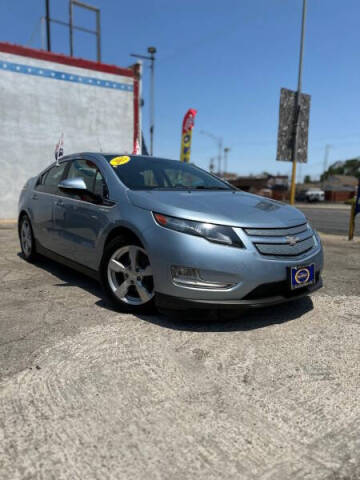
<point>88,393</point>
<point>333,219</point>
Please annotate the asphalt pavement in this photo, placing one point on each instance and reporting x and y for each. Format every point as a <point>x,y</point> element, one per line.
<point>333,219</point>
<point>89,393</point>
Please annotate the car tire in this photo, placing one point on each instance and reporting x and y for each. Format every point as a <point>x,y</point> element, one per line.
<point>27,239</point>
<point>126,276</point>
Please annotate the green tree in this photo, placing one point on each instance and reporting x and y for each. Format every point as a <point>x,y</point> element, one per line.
<point>349,167</point>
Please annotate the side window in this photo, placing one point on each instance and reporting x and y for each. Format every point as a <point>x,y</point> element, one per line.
<point>49,181</point>
<point>95,183</point>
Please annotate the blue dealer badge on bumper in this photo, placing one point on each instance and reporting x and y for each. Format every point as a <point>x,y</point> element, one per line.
<point>302,276</point>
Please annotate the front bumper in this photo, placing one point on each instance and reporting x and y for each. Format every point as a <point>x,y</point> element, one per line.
<point>169,302</point>
<point>246,269</point>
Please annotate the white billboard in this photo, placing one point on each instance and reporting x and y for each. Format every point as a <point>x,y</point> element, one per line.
<point>42,95</point>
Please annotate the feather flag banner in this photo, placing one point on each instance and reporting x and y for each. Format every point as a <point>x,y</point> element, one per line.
<point>187,127</point>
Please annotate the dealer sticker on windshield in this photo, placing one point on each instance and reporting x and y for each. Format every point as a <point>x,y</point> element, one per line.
<point>116,161</point>
<point>302,276</point>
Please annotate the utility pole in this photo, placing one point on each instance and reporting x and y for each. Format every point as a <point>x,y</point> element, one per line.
<point>226,151</point>
<point>152,51</point>
<point>326,158</point>
<point>211,166</point>
<point>297,106</point>
<point>47,17</point>
<point>219,142</point>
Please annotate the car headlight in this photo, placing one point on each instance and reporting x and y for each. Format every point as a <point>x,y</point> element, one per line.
<point>214,233</point>
<point>316,236</point>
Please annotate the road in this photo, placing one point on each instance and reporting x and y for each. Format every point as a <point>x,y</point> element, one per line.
<point>333,220</point>
<point>90,393</point>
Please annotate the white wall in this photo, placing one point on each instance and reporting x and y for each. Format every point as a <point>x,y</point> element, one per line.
<point>36,107</point>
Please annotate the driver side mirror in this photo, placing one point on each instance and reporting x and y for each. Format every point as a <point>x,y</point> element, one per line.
<point>73,185</point>
<point>77,186</point>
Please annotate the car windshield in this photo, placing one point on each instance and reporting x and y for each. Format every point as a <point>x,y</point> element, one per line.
<point>149,173</point>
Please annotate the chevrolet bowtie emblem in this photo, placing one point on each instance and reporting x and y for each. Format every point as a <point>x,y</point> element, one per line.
<point>292,240</point>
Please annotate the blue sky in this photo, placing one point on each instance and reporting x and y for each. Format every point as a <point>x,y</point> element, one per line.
<point>228,60</point>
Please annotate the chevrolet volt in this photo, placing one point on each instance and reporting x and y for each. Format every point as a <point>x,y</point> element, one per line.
<point>161,232</point>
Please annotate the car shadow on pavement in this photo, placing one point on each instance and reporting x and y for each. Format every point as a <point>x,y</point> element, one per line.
<point>234,320</point>
<point>70,277</point>
<point>188,320</point>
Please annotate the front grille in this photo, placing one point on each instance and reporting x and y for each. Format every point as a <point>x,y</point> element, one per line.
<point>276,232</point>
<point>285,250</point>
<point>284,241</point>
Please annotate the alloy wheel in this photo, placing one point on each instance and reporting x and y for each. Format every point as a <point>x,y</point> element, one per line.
<point>130,275</point>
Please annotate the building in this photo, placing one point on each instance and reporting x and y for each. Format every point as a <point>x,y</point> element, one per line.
<point>339,188</point>
<point>272,186</point>
<point>42,95</point>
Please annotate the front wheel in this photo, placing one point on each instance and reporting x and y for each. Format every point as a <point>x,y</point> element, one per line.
<point>127,276</point>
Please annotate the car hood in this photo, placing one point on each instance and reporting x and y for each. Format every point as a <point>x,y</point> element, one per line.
<point>235,208</point>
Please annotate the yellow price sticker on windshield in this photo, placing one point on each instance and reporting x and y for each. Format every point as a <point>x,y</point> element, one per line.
<point>116,161</point>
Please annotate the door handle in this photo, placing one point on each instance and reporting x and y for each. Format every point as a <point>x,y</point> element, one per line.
<point>35,197</point>
<point>59,203</point>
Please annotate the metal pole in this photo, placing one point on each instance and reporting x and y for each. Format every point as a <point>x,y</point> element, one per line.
<point>43,25</point>
<point>48,39</point>
<point>152,51</point>
<point>98,35</point>
<point>71,28</point>
<point>152,105</point>
<point>226,151</point>
<point>297,108</point>
<point>326,157</point>
<point>220,155</point>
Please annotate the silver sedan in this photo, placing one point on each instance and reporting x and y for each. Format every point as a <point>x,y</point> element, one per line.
<point>160,232</point>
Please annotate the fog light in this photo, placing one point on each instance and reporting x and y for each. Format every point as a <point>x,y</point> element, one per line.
<point>190,277</point>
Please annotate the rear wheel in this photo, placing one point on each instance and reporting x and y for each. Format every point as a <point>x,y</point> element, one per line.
<point>27,241</point>
<point>127,275</point>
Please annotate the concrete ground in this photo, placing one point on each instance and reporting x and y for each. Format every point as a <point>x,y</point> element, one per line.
<point>89,393</point>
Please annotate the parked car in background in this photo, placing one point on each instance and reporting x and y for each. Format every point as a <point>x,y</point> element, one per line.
<point>314,195</point>
<point>157,231</point>
<point>310,195</point>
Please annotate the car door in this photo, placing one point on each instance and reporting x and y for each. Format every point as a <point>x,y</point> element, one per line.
<point>42,204</point>
<point>81,218</point>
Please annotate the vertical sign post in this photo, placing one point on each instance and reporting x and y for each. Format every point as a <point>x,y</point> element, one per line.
<point>355,209</point>
<point>294,120</point>
<point>298,94</point>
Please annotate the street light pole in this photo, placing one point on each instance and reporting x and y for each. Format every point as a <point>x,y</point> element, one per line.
<point>297,107</point>
<point>152,51</point>
<point>226,151</point>
<point>219,142</point>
